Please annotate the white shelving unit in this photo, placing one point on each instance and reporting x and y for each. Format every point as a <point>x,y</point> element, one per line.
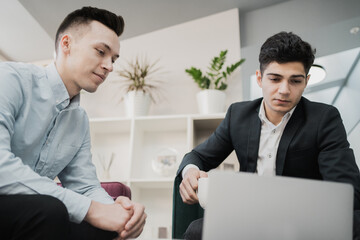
<point>134,143</point>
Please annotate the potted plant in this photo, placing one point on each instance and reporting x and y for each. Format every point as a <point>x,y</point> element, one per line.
<point>212,98</point>
<point>140,80</point>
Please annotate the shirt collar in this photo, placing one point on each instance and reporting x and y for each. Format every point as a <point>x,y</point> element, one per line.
<point>58,88</point>
<point>264,119</point>
<point>75,101</point>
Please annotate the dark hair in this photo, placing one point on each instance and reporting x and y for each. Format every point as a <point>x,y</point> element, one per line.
<point>87,14</point>
<point>286,47</point>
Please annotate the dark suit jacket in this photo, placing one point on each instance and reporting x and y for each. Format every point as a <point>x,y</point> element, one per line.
<point>313,145</point>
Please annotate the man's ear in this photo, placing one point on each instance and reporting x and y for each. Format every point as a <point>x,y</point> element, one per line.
<point>65,43</point>
<point>307,79</point>
<point>258,78</point>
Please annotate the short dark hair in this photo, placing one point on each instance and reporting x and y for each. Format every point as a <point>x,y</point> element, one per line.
<point>286,47</point>
<point>87,14</point>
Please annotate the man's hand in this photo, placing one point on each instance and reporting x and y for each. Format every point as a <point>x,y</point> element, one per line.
<point>135,225</point>
<point>110,217</point>
<point>189,185</point>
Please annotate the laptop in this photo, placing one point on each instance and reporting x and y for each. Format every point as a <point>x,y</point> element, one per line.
<point>247,206</point>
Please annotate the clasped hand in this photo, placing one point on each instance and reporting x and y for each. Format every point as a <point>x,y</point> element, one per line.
<point>125,217</point>
<point>135,224</point>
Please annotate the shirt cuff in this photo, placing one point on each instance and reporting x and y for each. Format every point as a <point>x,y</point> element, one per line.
<point>78,205</point>
<point>187,167</point>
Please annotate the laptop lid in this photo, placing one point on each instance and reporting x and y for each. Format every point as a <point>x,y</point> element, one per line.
<point>247,206</point>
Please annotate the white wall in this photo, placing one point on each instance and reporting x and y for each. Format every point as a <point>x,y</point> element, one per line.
<point>179,47</point>
<point>348,105</point>
<point>349,99</point>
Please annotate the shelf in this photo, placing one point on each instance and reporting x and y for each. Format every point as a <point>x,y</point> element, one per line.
<point>208,116</point>
<point>111,145</point>
<point>161,124</point>
<point>110,125</point>
<point>135,142</point>
<point>151,137</point>
<point>152,183</point>
<point>206,124</point>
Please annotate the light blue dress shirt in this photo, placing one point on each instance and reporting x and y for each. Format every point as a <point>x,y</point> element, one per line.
<point>44,134</point>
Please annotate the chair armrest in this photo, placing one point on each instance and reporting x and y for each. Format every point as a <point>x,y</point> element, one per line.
<point>114,189</point>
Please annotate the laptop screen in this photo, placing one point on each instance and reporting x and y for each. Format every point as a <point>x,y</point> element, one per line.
<point>247,206</point>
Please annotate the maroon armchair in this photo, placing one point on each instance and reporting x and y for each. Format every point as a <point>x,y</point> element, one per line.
<point>115,189</point>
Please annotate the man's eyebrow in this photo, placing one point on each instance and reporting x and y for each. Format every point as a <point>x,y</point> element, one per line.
<point>108,48</point>
<point>292,76</point>
<point>297,76</point>
<point>274,74</point>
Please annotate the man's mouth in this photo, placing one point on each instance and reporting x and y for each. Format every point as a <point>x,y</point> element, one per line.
<point>282,100</point>
<point>102,76</point>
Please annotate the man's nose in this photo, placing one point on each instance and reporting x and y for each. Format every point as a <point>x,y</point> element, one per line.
<point>108,65</point>
<point>284,88</point>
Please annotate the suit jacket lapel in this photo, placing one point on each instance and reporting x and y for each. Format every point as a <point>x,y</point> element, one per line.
<point>253,142</point>
<point>292,126</point>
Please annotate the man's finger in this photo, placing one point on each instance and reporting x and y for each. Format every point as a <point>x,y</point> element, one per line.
<point>184,195</point>
<point>188,193</point>
<point>203,174</point>
<point>135,230</point>
<point>125,202</point>
<point>138,213</point>
<point>190,189</point>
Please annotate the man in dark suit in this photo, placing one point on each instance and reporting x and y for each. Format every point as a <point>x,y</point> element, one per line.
<point>282,133</point>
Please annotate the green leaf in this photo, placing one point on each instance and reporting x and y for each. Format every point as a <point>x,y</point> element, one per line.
<point>223,86</point>
<point>204,83</point>
<point>228,70</point>
<point>195,73</point>
<point>217,81</point>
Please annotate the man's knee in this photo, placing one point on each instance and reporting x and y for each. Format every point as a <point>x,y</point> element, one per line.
<point>194,230</point>
<point>52,210</point>
<point>35,217</point>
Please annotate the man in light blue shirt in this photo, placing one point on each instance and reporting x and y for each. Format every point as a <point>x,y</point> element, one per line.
<point>44,133</point>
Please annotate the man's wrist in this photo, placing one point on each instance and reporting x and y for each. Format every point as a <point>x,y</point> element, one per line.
<point>187,167</point>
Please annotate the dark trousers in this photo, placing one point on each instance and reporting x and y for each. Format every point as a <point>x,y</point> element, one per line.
<point>194,230</point>
<point>42,217</point>
<point>356,225</point>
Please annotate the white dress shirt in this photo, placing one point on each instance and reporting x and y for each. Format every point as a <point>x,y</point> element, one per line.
<point>269,142</point>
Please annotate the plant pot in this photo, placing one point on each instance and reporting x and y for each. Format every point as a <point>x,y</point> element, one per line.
<point>211,101</point>
<point>137,103</point>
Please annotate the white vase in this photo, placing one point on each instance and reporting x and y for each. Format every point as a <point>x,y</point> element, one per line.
<point>137,103</point>
<point>211,101</point>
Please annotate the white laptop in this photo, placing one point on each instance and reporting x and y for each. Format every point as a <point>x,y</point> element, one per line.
<point>246,206</point>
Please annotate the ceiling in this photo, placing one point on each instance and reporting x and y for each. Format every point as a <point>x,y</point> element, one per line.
<point>29,26</point>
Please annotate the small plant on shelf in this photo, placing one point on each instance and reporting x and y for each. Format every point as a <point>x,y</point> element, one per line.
<point>215,77</point>
<point>141,75</point>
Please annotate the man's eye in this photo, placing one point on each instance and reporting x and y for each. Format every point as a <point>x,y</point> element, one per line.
<point>274,79</point>
<point>296,81</point>
<point>101,52</point>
